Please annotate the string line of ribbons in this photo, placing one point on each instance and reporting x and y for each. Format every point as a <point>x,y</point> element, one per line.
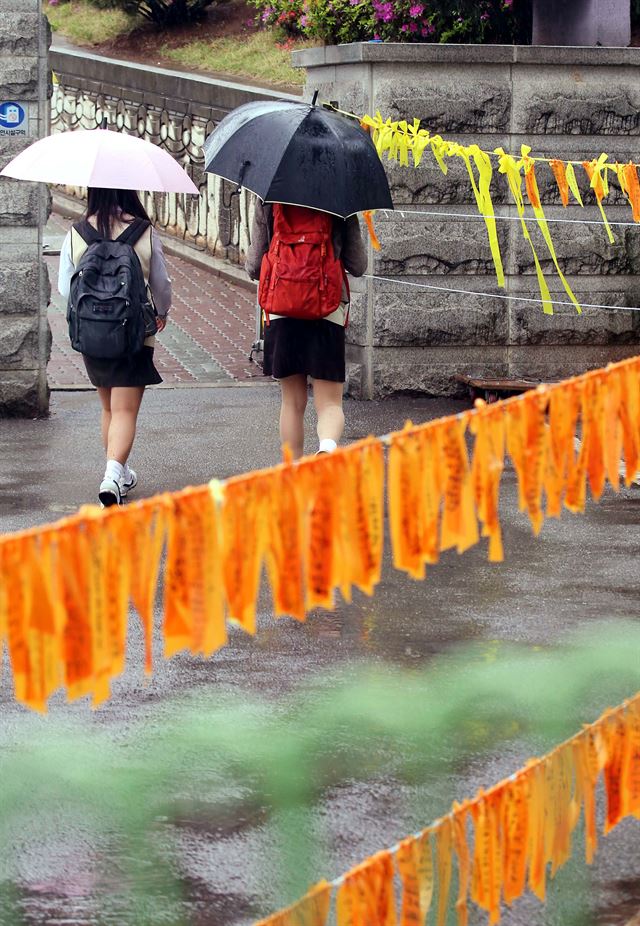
<point>503,842</point>
<point>314,526</point>
<point>406,143</point>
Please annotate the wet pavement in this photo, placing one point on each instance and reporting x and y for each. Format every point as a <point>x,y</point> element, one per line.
<point>580,570</point>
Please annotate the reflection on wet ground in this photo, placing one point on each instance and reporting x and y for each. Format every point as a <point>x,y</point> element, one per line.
<point>229,863</point>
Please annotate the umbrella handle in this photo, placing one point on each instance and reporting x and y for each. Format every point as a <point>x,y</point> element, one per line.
<point>245,164</point>
<point>236,192</point>
<point>238,189</point>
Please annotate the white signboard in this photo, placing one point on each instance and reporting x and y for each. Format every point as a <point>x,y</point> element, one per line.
<point>14,118</point>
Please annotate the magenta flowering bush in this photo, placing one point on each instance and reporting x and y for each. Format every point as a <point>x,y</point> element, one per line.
<point>339,21</point>
<point>286,16</point>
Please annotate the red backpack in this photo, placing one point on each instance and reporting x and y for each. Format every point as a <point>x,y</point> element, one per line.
<point>300,276</point>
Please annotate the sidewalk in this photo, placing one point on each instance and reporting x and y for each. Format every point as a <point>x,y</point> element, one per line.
<point>580,569</point>
<point>207,341</point>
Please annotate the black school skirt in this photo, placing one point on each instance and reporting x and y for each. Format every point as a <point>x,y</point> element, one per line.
<point>302,346</point>
<point>135,370</point>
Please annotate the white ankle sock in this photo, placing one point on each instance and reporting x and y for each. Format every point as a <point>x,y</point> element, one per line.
<point>114,470</point>
<point>126,472</point>
<point>327,445</point>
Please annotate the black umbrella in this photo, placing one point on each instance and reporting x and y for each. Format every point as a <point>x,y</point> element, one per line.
<point>300,154</point>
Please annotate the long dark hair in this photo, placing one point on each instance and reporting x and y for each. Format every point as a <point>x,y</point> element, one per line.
<point>108,205</point>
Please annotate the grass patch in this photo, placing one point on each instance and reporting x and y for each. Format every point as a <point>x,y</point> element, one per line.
<point>85,24</point>
<point>256,56</point>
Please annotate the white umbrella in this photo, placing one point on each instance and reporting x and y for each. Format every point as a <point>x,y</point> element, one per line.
<point>99,158</point>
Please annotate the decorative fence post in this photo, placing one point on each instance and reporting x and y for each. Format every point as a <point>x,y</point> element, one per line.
<point>25,338</point>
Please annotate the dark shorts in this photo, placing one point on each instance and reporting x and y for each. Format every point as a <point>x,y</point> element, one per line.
<point>136,370</point>
<point>300,346</point>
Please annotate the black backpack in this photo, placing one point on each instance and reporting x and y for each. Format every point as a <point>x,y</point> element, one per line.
<point>109,305</point>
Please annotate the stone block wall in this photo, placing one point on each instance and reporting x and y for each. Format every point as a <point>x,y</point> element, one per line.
<point>25,338</point>
<point>564,102</point>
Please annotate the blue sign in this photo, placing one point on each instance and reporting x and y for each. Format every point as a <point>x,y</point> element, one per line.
<point>12,115</point>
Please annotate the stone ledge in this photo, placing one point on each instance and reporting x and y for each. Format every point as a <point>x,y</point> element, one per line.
<point>465,55</point>
<point>172,87</point>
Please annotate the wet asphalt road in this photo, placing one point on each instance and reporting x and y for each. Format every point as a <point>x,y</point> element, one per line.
<point>580,570</point>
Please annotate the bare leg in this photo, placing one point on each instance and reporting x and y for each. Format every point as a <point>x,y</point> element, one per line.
<point>125,404</point>
<point>105,399</point>
<point>294,403</point>
<point>327,397</point>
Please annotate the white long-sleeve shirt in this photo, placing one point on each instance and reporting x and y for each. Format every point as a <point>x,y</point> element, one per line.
<point>159,280</point>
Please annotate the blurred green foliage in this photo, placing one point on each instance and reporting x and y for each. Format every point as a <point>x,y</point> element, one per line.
<point>285,755</point>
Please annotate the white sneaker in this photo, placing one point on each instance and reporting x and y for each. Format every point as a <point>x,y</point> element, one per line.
<point>110,493</point>
<point>126,485</point>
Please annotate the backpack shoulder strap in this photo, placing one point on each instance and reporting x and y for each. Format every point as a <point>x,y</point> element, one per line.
<point>133,231</point>
<point>82,236</point>
<point>87,232</point>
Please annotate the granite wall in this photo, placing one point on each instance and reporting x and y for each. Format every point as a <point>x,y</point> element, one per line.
<point>25,338</point>
<point>564,102</point>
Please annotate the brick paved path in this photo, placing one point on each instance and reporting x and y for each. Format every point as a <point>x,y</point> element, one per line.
<point>210,332</point>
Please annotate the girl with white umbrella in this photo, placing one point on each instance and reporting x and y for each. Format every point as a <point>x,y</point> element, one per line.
<point>113,167</point>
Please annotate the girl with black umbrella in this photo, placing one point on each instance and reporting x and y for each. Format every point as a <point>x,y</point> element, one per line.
<point>298,348</point>
<point>302,161</point>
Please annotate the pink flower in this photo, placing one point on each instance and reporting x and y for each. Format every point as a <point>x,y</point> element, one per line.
<point>384,11</point>
<point>508,4</point>
<point>416,10</point>
<point>377,37</point>
<point>413,27</point>
<point>484,17</point>
<point>304,21</point>
<point>404,28</point>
